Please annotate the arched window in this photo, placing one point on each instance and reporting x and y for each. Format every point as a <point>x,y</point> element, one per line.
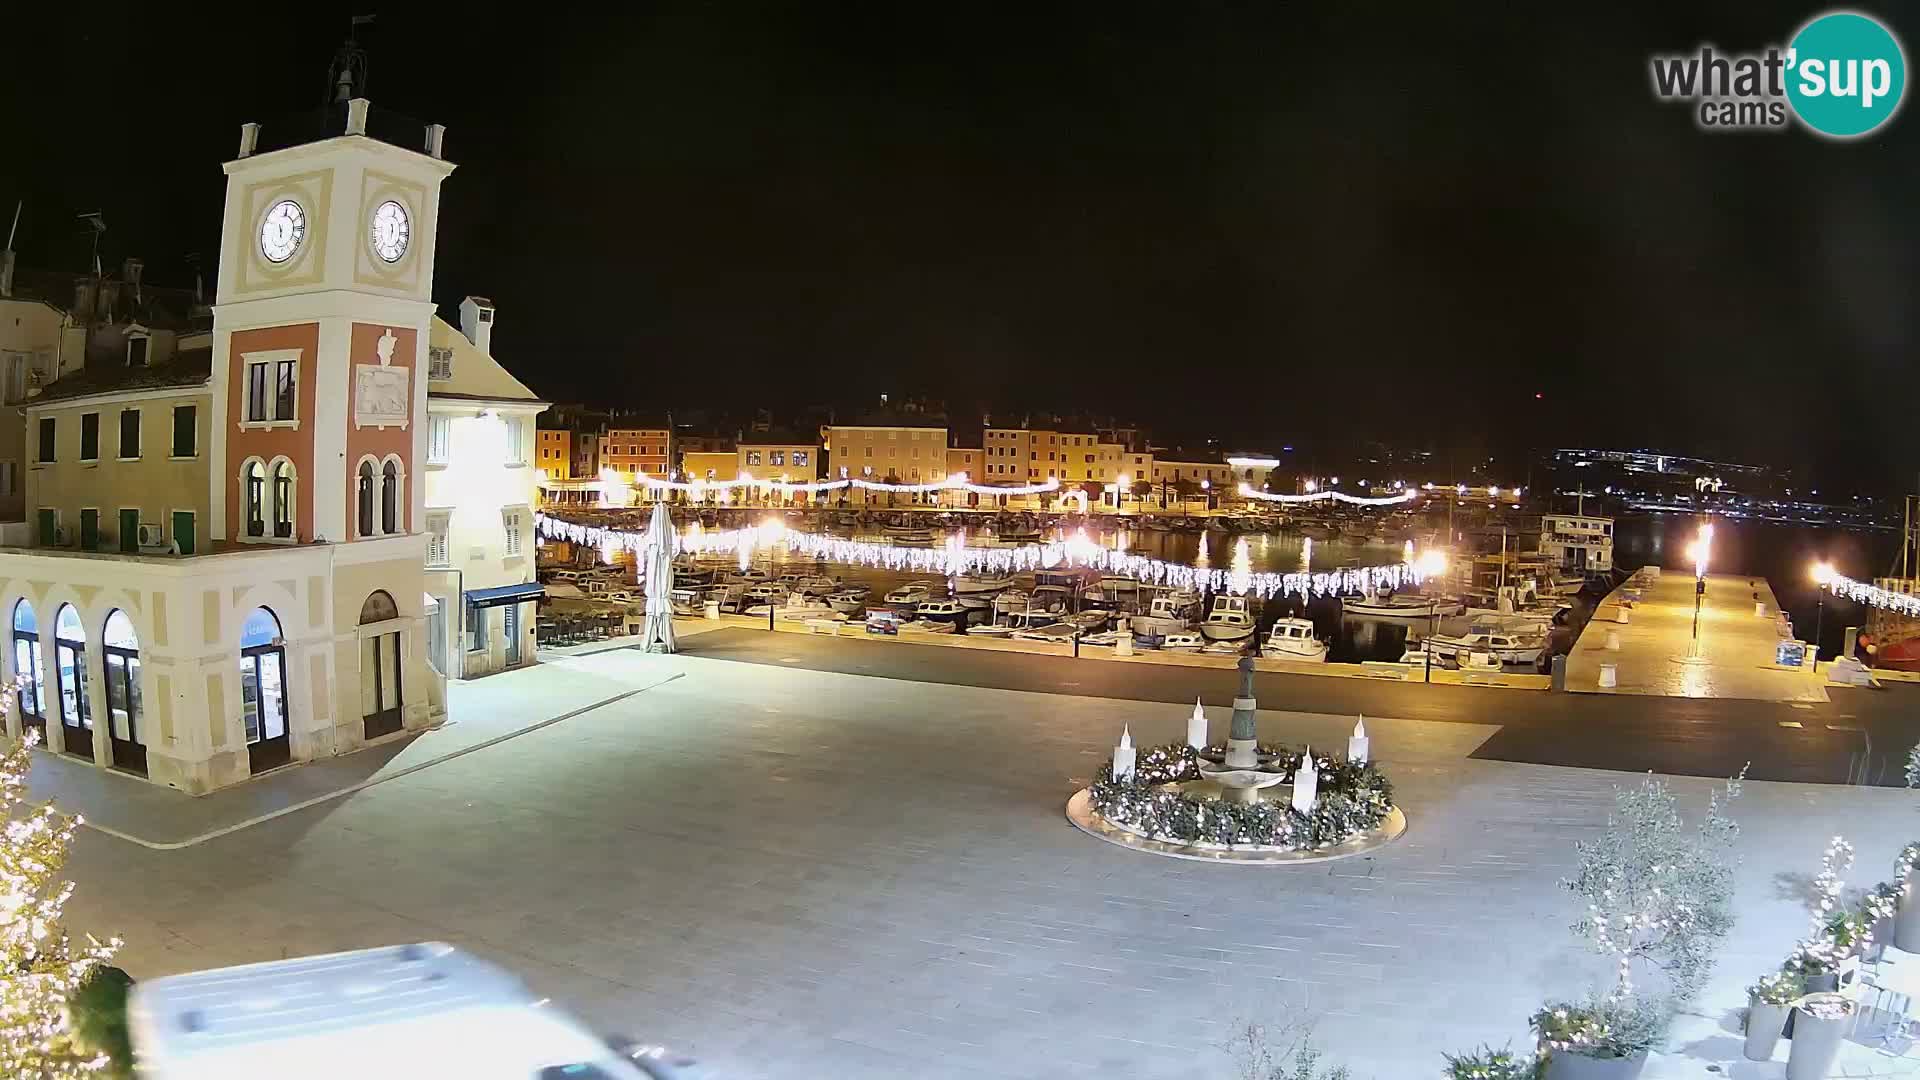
<point>366,498</point>
<point>378,608</point>
<point>26,664</point>
<point>263,690</point>
<point>390,497</point>
<point>283,499</point>
<point>121,649</point>
<point>70,667</point>
<point>254,490</point>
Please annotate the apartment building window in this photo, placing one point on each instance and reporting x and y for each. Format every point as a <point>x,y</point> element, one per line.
<point>437,539</point>
<point>439,363</point>
<point>46,439</point>
<point>800,459</point>
<point>1139,474</point>
<point>869,449</point>
<point>516,432</point>
<point>439,439</point>
<point>777,457</point>
<point>1089,459</point>
<point>510,520</point>
<point>186,431</point>
<point>90,436</point>
<point>129,434</point>
<point>271,391</point>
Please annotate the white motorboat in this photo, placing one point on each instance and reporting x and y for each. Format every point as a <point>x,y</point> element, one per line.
<point>1168,614</point>
<point>999,630</point>
<point>847,601</point>
<point>976,584</point>
<point>912,593</point>
<point>1293,639</point>
<point>946,611</point>
<point>928,626</point>
<point>1226,648</point>
<point>815,585</point>
<point>1229,620</point>
<point>686,601</point>
<point>1186,641</point>
<point>762,594</point>
<point>1401,606</point>
<point>801,607</point>
<point>1506,645</point>
<point>1086,621</point>
<point>910,537</point>
<point>1054,632</point>
<point>752,575</point>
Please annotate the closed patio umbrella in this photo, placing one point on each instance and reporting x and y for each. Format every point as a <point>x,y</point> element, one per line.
<point>658,556</point>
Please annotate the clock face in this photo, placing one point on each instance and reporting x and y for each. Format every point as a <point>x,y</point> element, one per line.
<point>391,231</point>
<point>282,231</point>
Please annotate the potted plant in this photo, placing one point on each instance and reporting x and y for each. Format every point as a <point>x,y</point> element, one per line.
<point>1820,1021</point>
<point>1769,1001</point>
<point>1607,1039</point>
<point>1487,1063</point>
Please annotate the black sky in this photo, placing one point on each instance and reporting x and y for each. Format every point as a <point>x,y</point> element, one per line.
<point>1283,225</point>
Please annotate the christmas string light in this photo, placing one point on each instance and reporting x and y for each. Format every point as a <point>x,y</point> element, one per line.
<point>954,558</point>
<point>1871,595</point>
<point>956,482</point>
<point>1247,491</point>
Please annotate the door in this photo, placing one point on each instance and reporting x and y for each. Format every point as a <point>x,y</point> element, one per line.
<point>512,615</point>
<point>263,695</point>
<point>129,530</point>
<point>26,660</point>
<point>380,684</point>
<point>49,525</point>
<point>76,721</point>
<point>183,530</point>
<point>89,530</point>
<point>123,710</point>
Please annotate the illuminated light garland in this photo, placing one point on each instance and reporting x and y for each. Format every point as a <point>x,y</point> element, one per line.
<point>1872,595</point>
<point>1247,491</point>
<point>956,482</point>
<point>954,558</point>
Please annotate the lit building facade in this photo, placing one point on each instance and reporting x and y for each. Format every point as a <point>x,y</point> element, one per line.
<point>1577,542</point>
<point>635,450</point>
<point>553,452</point>
<point>888,453</point>
<point>295,629</point>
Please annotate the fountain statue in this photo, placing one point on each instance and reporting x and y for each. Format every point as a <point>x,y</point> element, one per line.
<point>1241,776</point>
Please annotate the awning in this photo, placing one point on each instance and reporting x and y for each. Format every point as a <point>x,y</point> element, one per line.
<point>506,594</point>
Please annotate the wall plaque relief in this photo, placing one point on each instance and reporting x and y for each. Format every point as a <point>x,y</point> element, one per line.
<point>381,396</point>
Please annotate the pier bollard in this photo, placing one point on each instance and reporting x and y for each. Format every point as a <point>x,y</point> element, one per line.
<point>1123,645</point>
<point>1623,614</point>
<point>1760,608</point>
<point>1613,641</point>
<point>713,611</point>
<point>1609,676</point>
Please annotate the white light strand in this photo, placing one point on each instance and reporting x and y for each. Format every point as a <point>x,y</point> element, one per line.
<point>1873,595</point>
<point>1248,491</point>
<point>956,482</point>
<point>953,558</point>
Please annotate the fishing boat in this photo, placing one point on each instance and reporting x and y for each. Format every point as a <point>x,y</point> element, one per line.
<point>1170,613</point>
<point>928,626</point>
<point>1186,641</point>
<point>1388,605</point>
<point>912,594</point>
<point>976,584</point>
<point>903,536</point>
<point>848,601</point>
<point>1506,645</point>
<point>1229,620</point>
<point>998,630</point>
<point>946,611</point>
<point>1293,639</point>
<point>762,593</point>
<point>816,585</point>
<point>1017,534</point>
<point>1226,648</point>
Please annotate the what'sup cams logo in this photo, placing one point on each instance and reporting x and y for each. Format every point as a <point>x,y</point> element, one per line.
<point>1842,76</point>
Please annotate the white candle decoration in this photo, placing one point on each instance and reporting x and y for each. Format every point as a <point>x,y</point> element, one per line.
<point>1123,756</point>
<point>1306,783</point>
<point>1197,727</point>
<point>1357,744</point>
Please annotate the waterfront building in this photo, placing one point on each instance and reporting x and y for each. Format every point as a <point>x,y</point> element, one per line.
<point>710,464</point>
<point>786,457</point>
<point>901,453</point>
<point>967,460</point>
<point>631,450</point>
<point>1197,480</point>
<point>586,455</point>
<point>228,572</point>
<point>480,491</point>
<point>553,452</point>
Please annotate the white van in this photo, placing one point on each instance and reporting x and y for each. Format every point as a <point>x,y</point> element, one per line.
<point>405,1011</point>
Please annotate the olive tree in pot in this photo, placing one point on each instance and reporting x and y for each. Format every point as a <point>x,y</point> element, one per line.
<point>1659,898</point>
<point>1768,1003</point>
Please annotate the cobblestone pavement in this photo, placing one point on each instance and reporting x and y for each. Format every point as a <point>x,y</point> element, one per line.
<point>794,873</point>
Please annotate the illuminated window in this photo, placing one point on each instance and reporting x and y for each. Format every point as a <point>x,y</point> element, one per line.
<point>777,457</point>
<point>271,391</point>
<point>753,457</point>
<point>800,458</point>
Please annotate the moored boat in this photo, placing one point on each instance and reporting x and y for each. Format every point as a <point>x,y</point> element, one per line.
<point>1293,639</point>
<point>1229,620</point>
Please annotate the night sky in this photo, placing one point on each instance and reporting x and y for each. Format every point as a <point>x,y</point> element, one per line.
<point>1296,225</point>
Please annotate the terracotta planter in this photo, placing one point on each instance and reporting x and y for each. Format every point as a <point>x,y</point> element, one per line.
<point>1816,1040</point>
<point>1764,1025</point>
<point>1906,921</point>
<point>1565,1066</point>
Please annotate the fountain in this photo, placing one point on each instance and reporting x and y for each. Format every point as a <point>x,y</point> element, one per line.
<point>1240,776</point>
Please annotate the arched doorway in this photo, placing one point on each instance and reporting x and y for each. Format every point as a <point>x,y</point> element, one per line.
<point>380,697</point>
<point>26,664</point>
<point>263,690</point>
<point>70,668</point>
<point>121,648</point>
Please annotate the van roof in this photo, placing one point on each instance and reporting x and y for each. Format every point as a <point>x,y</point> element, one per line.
<point>338,1010</point>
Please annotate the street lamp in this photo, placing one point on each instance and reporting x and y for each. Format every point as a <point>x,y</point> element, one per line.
<point>1700,549</point>
<point>1206,492</point>
<point>1823,574</point>
<point>1430,565</point>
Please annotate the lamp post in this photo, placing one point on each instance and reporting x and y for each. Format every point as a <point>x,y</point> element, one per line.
<point>1206,492</point>
<point>1822,577</point>
<point>1701,547</point>
<point>1430,565</point>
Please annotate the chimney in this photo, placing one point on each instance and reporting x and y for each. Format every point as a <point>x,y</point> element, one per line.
<point>436,139</point>
<point>476,321</point>
<point>6,272</point>
<point>249,138</point>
